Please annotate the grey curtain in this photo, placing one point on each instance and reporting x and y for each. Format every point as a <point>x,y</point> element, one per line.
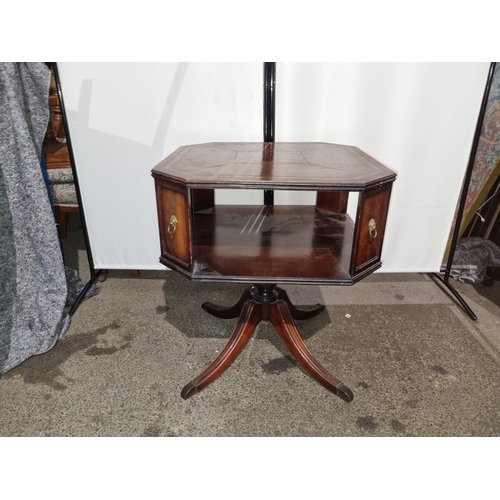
<point>33,286</point>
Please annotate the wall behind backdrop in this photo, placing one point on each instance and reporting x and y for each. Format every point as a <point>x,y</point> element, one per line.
<point>416,118</point>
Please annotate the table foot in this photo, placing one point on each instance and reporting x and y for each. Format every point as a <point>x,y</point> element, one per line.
<point>282,320</point>
<point>249,319</point>
<point>189,390</point>
<point>300,312</point>
<point>228,312</point>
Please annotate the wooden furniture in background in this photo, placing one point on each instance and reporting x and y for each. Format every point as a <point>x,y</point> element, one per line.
<point>58,162</point>
<point>269,244</point>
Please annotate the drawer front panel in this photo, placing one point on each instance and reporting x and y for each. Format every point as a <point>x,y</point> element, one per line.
<point>373,206</point>
<point>174,222</point>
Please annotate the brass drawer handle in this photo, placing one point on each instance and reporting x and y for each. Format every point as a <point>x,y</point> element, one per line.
<point>172,225</point>
<point>372,228</point>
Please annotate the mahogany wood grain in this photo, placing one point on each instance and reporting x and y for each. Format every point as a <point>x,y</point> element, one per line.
<point>252,247</point>
<point>202,199</point>
<point>56,127</point>
<point>266,302</point>
<point>280,165</point>
<point>333,201</point>
<point>373,204</point>
<point>267,244</point>
<point>300,313</point>
<point>231,312</point>
<point>262,243</point>
<point>172,201</point>
<point>281,319</point>
<point>249,319</point>
<point>56,154</point>
<point>228,312</point>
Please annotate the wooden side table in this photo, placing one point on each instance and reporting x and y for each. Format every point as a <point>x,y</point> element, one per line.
<point>268,245</point>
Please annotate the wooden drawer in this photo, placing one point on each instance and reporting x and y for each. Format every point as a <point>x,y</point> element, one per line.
<point>174,223</point>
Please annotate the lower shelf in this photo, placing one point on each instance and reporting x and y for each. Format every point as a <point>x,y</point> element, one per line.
<point>301,244</point>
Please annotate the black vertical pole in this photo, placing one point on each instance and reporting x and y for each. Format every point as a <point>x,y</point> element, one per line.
<point>463,195</point>
<point>269,114</point>
<point>93,273</point>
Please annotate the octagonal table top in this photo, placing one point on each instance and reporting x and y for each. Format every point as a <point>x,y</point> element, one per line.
<point>276,165</point>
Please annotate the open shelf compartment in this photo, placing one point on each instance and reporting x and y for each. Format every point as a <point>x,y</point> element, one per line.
<point>283,243</point>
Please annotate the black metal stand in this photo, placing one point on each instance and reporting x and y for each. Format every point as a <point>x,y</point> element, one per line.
<point>82,294</point>
<point>269,114</point>
<point>93,273</point>
<point>460,299</point>
<point>463,197</point>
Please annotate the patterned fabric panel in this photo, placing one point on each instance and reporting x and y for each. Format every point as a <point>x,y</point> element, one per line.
<point>60,175</point>
<point>488,150</point>
<point>64,194</point>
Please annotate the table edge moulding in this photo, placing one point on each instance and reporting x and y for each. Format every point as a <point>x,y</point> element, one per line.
<point>267,245</point>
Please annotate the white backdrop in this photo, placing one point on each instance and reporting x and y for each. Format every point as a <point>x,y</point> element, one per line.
<point>417,118</point>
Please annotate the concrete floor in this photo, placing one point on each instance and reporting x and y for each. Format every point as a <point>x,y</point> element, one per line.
<point>418,366</point>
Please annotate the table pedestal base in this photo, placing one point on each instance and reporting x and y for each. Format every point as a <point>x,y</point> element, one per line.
<point>269,303</point>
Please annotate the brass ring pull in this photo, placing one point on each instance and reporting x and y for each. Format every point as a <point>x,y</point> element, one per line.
<point>372,228</point>
<point>172,225</point>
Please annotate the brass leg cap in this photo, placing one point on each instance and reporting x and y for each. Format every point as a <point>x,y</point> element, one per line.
<point>345,393</point>
<point>189,390</point>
